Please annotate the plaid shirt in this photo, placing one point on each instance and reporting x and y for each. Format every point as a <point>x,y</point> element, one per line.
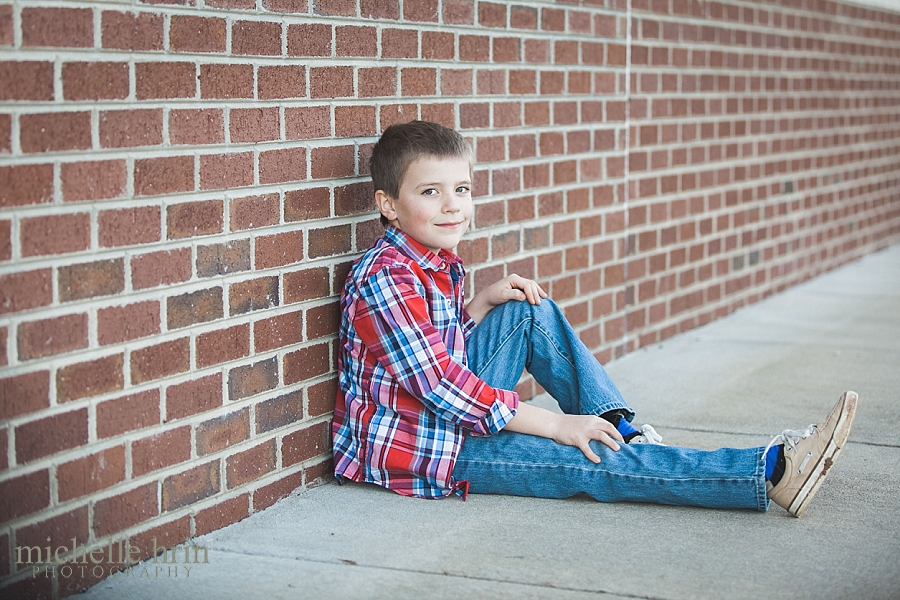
<point>405,397</point>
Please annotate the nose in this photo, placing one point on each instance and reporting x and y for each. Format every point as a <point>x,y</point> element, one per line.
<point>452,203</point>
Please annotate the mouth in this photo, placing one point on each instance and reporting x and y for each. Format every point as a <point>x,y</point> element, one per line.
<point>450,225</point>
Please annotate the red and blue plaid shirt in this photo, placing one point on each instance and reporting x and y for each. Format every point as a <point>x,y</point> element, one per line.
<point>406,398</point>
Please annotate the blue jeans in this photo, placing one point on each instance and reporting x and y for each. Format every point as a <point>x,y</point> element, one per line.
<point>516,336</point>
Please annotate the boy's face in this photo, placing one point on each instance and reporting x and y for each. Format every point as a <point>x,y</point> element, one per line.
<point>434,205</point>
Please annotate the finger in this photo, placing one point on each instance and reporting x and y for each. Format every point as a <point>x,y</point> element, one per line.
<point>608,440</point>
<point>591,456</point>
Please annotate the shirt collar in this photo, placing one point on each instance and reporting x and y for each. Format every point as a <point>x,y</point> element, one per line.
<point>424,257</point>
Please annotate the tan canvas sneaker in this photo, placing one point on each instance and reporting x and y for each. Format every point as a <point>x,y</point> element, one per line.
<point>809,455</point>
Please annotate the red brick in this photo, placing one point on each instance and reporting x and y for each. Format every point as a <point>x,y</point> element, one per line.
<point>23,495</point>
<point>422,10</point>
<point>380,9</point>
<point>399,43</point>
<point>256,38</point>
<point>280,412</point>
<point>47,337</point>
<point>95,80</point>
<point>131,31</point>
<point>191,486</point>
<point>161,360</point>
<point>220,346</point>
<point>192,397</point>
<point>254,124</point>
<point>306,284</point>
<point>37,439</point>
<point>21,185</point>
<point>253,379</point>
<point>282,166</point>
<point>254,294</point>
<point>244,467</point>
<point>163,175</point>
<point>309,39</point>
<point>93,180</point>
<point>305,444</point>
<point>460,12</point>
<point>196,126</point>
<point>160,451</point>
<point>196,34</point>
<point>160,268</point>
<point>323,320</point>
<point>354,198</point>
<point>26,80</point>
<point>281,81</point>
<point>222,514</point>
<point>58,27</point>
<point>114,514</point>
<point>268,495</point>
<point>279,249</point>
<point>89,378</point>
<point>154,80</point>
<point>24,394</point>
<point>331,82</point>
<point>54,132</point>
<point>437,45</point>
<point>6,39</point>
<point>307,122</point>
<point>321,397</point>
<point>305,204</point>
<point>56,531</point>
<point>254,211</point>
<point>354,121</point>
<point>90,474</point>
<point>226,171</point>
<point>287,6</point>
<point>221,259</point>
<point>195,307</point>
<point>416,81</point>
<point>89,280</point>
<point>307,363</point>
<point>328,241</point>
<point>278,332</point>
<point>191,219</point>
<point>131,128</point>
<point>4,360</point>
<point>333,162</point>
<point>128,413</point>
<point>55,234</point>
<point>220,433</point>
<point>129,226</point>
<point>344,8</point>
<point>226,81</point>
<point>5,134</point>
<point>352,40</point>
<point>475,48</point>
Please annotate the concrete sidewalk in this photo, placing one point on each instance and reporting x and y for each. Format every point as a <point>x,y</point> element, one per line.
<point>780,363</point>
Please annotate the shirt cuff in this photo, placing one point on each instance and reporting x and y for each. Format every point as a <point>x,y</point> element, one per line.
<point>502,411</point>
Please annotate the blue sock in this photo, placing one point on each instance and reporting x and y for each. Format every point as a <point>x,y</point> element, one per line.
<point>625,428</point>
<point>772,460</point>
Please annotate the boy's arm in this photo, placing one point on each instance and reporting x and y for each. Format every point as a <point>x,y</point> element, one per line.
<point>571,430</point>
<point>509,288</point>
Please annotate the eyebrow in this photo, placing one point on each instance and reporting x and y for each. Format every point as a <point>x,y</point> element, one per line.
<point>437,183</point>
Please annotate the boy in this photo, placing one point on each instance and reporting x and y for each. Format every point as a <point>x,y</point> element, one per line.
<point>424,406</point>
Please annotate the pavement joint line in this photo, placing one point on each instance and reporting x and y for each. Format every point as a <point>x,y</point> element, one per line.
<point>353,563</point>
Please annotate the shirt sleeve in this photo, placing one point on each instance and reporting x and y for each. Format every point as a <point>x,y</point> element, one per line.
<point>395,326</point>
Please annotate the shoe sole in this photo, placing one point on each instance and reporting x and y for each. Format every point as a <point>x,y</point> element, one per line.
<point>826,461</point>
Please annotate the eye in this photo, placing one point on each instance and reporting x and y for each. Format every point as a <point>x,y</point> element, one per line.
<point>463,189</point>
<point>429,192</point>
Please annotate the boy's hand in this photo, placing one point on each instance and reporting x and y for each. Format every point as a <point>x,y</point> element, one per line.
<point>509,288</point>
<point>578,430</point>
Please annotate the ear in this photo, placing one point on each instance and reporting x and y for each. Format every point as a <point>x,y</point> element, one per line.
<point>385,205</point>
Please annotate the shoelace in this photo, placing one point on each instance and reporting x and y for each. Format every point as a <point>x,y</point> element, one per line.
<point>651,436</point>
<point>791,437</point>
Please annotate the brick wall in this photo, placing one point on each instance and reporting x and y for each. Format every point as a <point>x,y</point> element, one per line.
<point>183,185</point>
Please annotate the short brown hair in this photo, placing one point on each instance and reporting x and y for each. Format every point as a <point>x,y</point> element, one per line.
<point>401,144</point>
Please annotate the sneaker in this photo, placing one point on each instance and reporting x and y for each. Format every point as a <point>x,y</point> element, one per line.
<point>647,435</point>
<point>809,455</point>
